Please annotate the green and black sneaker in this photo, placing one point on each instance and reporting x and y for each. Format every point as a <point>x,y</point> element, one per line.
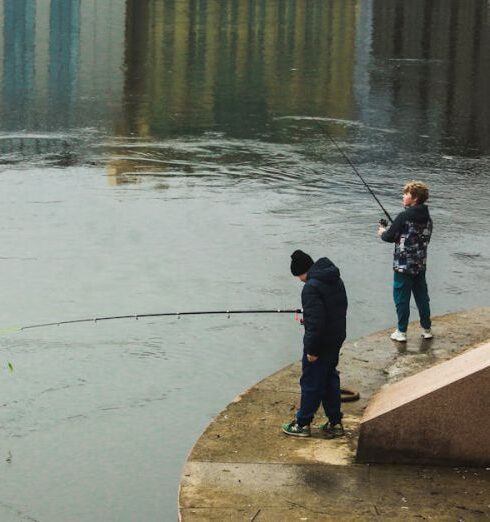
<point>332,431</point>
<point>293,428</point>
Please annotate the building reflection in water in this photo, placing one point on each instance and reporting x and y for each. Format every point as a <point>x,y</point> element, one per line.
<point>197,64</point>
<point>19,18</point>
<point>420,68</point>
<point>61,63</point>
<point>166,68</point>
<point>437,74</point>
<point>64,53</point>
<point>233,67</point>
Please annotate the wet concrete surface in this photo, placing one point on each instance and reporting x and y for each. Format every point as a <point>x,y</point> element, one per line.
<point>244,468</point>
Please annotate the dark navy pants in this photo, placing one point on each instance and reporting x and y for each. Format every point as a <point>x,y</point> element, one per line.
<point>403,286</point>
<point>320,384</point>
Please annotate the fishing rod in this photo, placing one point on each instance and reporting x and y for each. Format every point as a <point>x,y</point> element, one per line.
<point>347,395</point>
<point>228,313</point>
<point>344,155</point>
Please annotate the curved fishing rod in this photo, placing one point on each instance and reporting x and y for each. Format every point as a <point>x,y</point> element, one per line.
<point>296,311</point>
<point>347,395</point>
<point>344,155</point>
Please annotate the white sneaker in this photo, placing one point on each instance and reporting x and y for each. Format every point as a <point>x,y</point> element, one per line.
<point>401,337</point>
<point>427,333</point>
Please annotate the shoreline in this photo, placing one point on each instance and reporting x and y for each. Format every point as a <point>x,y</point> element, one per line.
<point>243,468</point>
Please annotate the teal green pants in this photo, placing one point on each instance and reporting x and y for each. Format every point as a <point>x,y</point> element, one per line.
<point>403,286</point>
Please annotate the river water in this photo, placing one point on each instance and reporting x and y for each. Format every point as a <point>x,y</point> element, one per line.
<point>169,155</point>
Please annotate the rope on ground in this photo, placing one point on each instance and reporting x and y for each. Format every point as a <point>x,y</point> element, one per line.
<point>349,395</point>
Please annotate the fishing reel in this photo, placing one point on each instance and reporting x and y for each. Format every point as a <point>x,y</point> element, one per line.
<point>383,222</point>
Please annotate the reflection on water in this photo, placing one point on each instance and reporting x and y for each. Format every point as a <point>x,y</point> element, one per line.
<point>18,59</point>
<point>64,49</point>
<point>433,63</point>
<point>158,69</point>
<point>61,64</point>
<point>235,64</point>
<point>165,155</point>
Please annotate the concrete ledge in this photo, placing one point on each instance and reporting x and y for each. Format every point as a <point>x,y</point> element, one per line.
<point>244,468</point>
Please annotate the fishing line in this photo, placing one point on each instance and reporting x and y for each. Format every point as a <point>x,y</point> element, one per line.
<point>344,155</point>
<point>228,313</point>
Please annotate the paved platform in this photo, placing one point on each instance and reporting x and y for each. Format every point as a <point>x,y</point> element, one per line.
<point>243,468</point>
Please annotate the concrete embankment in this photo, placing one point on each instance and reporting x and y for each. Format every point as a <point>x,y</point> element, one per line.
<point>244,468</point>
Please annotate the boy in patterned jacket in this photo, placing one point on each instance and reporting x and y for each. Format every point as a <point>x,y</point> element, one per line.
<point>410,231</point>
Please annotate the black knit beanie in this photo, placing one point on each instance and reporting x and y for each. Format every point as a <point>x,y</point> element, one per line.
<point>300,262</point>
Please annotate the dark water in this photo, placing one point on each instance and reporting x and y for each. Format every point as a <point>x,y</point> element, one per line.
<point>169,156</point>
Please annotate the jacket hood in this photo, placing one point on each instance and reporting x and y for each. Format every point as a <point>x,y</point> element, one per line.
<point>324,270</point>
<point>418,213</point>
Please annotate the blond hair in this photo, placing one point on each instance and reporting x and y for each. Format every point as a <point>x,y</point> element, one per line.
<point>418,190</point>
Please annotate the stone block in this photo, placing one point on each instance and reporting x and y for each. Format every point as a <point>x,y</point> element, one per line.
<point>438,416</point>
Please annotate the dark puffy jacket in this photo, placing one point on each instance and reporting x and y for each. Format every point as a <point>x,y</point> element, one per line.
<point>324,308</point>
<point>411,232</point>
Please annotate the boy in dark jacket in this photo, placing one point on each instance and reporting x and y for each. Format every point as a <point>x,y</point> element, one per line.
<point>324,303</point>
<point>411,232</point>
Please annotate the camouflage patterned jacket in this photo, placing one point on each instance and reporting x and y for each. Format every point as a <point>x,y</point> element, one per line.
<point>411,232</point>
